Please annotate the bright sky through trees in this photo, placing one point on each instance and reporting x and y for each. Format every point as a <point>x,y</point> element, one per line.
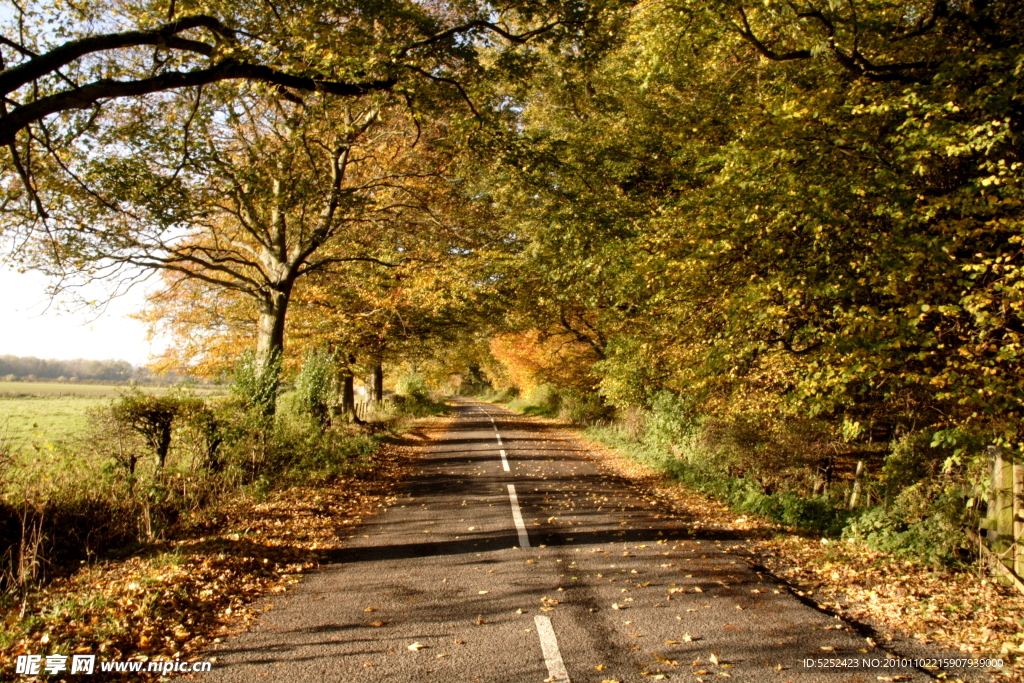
<point>35,328</point>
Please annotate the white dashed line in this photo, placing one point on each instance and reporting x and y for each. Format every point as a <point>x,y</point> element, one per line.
<point>517,517</point>
<point>549,644</point>
<point>498,437</point>
<point>504,461</point>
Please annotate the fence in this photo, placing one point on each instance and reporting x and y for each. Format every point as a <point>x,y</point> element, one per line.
<point>1001,542</point>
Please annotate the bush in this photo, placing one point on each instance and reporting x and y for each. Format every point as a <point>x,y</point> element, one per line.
<point>543,400</point>
<point>150,416</point>
<point>505,395</point>
<point>62,504</point>
<point>315,387</point>
<point>412,385</point>
<point>911,459</point>
<point>256,388</point>
<point>584,409</point>
<point>926,521</point>
<point>726,458</point>
<point>670,426</point>
<point>413,399</point>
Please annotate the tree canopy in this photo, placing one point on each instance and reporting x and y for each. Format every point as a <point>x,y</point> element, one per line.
<point>812,209</point>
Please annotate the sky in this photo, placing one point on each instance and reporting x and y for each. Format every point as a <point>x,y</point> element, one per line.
<point>32,327</point>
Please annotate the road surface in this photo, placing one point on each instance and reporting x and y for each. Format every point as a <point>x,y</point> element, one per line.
<point>510,556</point>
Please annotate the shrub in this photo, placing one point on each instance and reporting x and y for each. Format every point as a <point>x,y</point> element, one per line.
<point>543,400</point>
<point>256,388</point>
<point>926,521</point>
<point>910,460</point>
<point>315,387</point>
<point>413,399</point>
<point>150,416</point>
<point>582,409</point>
<point>412,385</point>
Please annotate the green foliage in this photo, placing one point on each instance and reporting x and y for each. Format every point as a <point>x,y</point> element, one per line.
<point>104,492</point>
<point>414,399</point>
<point>315,387</point>
<point>505,395</point>
<point>926,522</point>
<point>255,387</point>
<point>584,408</point>
<point>670,423</point>
<point>911,459</point>
<point>699,465</point>
<point>627,373</point>
<point>150,416</point>
<point>543,400</point>
<point>412,385</point>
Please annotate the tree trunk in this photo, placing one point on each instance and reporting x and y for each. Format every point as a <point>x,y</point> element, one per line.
<point>348,395</point>
<point>270,337</point>
<point>163,443</point>
<point>377,384</point>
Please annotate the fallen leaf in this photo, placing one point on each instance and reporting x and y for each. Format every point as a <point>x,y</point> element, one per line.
<point>416,647</point>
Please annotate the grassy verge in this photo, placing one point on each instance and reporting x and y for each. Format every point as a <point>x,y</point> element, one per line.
<point>172,599</point>
<point>817,514</point>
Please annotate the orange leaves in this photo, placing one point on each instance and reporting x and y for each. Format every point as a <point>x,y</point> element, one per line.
<point>532,358</point>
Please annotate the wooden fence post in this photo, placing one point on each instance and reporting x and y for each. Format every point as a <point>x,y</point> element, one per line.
<point>855,491</point>
<point>1016,511</point>
<point>995,496</point>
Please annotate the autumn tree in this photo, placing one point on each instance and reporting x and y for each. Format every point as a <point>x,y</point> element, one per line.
<point>818,206</point>
<point>272,191</point>
<point>391,268</point>
<point>68,69</point>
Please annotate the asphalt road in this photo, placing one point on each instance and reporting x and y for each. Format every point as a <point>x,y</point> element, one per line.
<point>590,583</point>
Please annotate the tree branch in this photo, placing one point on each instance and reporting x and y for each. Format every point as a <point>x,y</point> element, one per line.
<point>13,78</point>
<point>88,95</point>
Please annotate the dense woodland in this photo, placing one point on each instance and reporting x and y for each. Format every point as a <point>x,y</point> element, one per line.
<point>770,247</point>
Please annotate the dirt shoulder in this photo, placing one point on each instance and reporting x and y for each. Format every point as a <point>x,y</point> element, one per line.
<point>174,599</point>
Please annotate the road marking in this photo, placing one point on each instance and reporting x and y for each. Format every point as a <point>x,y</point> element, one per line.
<point>517,517</point>
<point>504,461</point>
<point>498,436</point>
<point>549,644</point>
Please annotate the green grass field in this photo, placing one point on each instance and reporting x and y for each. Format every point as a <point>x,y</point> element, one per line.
<point>39,411</point>
<point>45,418</point>
<point>26,389</point>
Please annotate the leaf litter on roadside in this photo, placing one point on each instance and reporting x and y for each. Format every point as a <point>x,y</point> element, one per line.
<point>184,594</point>
<point>954,609</point>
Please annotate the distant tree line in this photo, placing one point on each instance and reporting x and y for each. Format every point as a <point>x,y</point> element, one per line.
<point>80,368</point>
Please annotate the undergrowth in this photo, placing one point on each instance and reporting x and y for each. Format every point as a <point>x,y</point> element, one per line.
<point>794,472</point>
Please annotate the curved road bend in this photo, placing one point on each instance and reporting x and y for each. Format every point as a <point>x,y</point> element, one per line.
<point>509,556</point>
